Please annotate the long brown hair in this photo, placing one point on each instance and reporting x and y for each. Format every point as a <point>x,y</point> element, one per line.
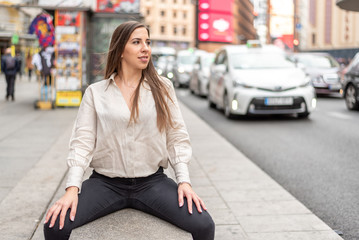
<point>159,89</point>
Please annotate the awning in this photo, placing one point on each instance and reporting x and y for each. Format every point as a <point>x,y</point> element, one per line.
<point>21,36</point>
<point>350,5</point>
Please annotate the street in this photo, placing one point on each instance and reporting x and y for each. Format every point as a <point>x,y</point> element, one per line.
<point>315,159</point>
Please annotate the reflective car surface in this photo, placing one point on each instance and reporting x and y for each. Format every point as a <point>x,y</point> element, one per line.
<point>350,82</point>
<point>185,60</point>
<point>259,80</point>
<point>200,75</point>
<point>322,69</point>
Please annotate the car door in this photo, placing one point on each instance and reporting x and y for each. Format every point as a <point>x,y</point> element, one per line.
<point>216,78</point>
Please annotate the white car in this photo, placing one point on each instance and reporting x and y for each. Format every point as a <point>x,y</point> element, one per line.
<point>257,80</point>
<point>198,82</point>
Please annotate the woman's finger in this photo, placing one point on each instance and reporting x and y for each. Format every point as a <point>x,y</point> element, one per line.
<point>189,202</point>
<point>180,198</point>
<point>202,204</point>
<point>73,211</point>
<point>198,204</point>
<point>54,216</point>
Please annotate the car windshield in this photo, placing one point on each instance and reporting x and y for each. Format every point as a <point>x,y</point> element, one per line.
<point>207,61</point>
<point>260,60</point>
<point>186,59</point>
<point>314,61</point>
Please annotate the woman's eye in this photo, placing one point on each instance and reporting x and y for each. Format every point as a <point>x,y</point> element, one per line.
<point>148,43</point>
<point>136,42</point>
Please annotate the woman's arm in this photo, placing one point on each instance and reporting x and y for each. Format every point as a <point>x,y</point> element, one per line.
<point>82,146</point>
<point>180,153</point>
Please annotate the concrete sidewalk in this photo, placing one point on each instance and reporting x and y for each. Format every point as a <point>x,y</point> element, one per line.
<point>245,203</point>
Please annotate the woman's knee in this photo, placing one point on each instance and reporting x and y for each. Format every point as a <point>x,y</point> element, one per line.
<point>55,233</point>
<point>205,228</point>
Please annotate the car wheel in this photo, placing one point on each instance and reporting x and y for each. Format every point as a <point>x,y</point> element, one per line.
<point>226,107</point>
<point>303,115</point>
<point>210,103</point>
<point>351,95</point>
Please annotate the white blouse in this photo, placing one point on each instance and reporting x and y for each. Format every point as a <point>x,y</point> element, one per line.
<point>103,139</point>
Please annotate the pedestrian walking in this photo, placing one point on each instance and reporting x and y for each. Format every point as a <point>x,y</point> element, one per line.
<point>128,129</point>
<point>19,60</point>
<point>47,56</point>
<point>9,66</point>
<point>29,65</point>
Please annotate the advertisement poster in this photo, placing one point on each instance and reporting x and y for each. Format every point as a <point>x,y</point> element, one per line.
<point>118,6</point>
<point>215,21</point>
<point>69,58</point>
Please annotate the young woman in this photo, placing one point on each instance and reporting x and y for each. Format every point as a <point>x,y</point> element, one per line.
<point>128,128</point>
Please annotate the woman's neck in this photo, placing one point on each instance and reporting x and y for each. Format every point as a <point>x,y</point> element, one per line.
<point>131,77</point>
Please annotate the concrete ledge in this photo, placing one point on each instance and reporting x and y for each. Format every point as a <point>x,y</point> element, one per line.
<point>129,224</point>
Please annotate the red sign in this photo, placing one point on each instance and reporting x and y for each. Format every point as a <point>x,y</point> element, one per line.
<point>215,27</point>
<point>224,6</point>
<point>215,20</point>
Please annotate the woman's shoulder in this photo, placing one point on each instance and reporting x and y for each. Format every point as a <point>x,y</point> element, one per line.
<point>168,83</point>
<point>99,85</point>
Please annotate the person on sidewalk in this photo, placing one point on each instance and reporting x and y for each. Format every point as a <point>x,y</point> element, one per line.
<point>129,128</point>
<point>9,66</point>
<point>29,65</point>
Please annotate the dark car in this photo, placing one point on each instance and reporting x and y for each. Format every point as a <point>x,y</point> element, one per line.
<point>350,84</point>
<point>323,70</point>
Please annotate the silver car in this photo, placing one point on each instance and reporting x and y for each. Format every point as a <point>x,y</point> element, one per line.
<point>323,70</point>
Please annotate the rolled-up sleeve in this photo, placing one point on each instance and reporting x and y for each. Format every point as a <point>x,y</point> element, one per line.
<point>178,142</point>
<point>82,142</point>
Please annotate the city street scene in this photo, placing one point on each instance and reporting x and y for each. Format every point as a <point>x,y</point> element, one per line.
<point>269,95</point>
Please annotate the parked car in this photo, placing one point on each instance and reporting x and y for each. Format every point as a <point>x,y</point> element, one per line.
<point>254,79</point>
<point>350,83</point>
<point>165,66</point>
<point>185,60</point>
<point>198,83</point>
<point>323,70</point>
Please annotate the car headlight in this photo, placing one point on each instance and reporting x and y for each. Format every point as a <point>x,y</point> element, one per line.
<point>181,70</point>
<point>159,71</point>
<point>318,79</point>
<point>239,84</point>
<point>306,82</point>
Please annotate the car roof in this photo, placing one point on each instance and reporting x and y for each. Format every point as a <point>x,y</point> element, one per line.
<point>311,53</point>
<point>245,49</point>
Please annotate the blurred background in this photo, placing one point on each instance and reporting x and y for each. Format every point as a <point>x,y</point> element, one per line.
<point>279,79</point>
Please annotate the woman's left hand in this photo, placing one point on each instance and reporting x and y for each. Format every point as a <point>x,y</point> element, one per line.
<point>185,190</point>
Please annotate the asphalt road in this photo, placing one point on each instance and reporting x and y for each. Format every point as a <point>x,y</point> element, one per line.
<point>315,159</point>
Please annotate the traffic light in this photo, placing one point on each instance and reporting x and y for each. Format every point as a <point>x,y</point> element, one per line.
<point>296,42</point>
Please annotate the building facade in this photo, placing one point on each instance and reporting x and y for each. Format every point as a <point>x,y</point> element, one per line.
<point>171,22</point>
<point>328,28</point>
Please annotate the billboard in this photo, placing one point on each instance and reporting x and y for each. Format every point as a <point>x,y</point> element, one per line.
<point>215,27</point>
<point>118,6</point>
<point>215,21</point>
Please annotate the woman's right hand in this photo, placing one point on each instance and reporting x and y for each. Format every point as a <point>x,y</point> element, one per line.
<point>69,200</point>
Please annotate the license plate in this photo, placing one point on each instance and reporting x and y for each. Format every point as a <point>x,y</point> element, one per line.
<point>334,86</point>
<point>275,101</point>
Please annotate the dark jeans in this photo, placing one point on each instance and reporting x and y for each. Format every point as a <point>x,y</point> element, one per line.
<point>10,81</point>
<point>155,194</point>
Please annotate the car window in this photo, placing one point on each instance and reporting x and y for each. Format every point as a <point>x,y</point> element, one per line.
<point>260,61</point>
<point>317,61</point>
<point>186,59</point>
<point>220,58</point>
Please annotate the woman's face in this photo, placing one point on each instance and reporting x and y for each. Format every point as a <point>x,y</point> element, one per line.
<point>137,51</point>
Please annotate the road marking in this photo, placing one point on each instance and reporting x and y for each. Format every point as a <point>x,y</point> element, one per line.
<point>339,115</point>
